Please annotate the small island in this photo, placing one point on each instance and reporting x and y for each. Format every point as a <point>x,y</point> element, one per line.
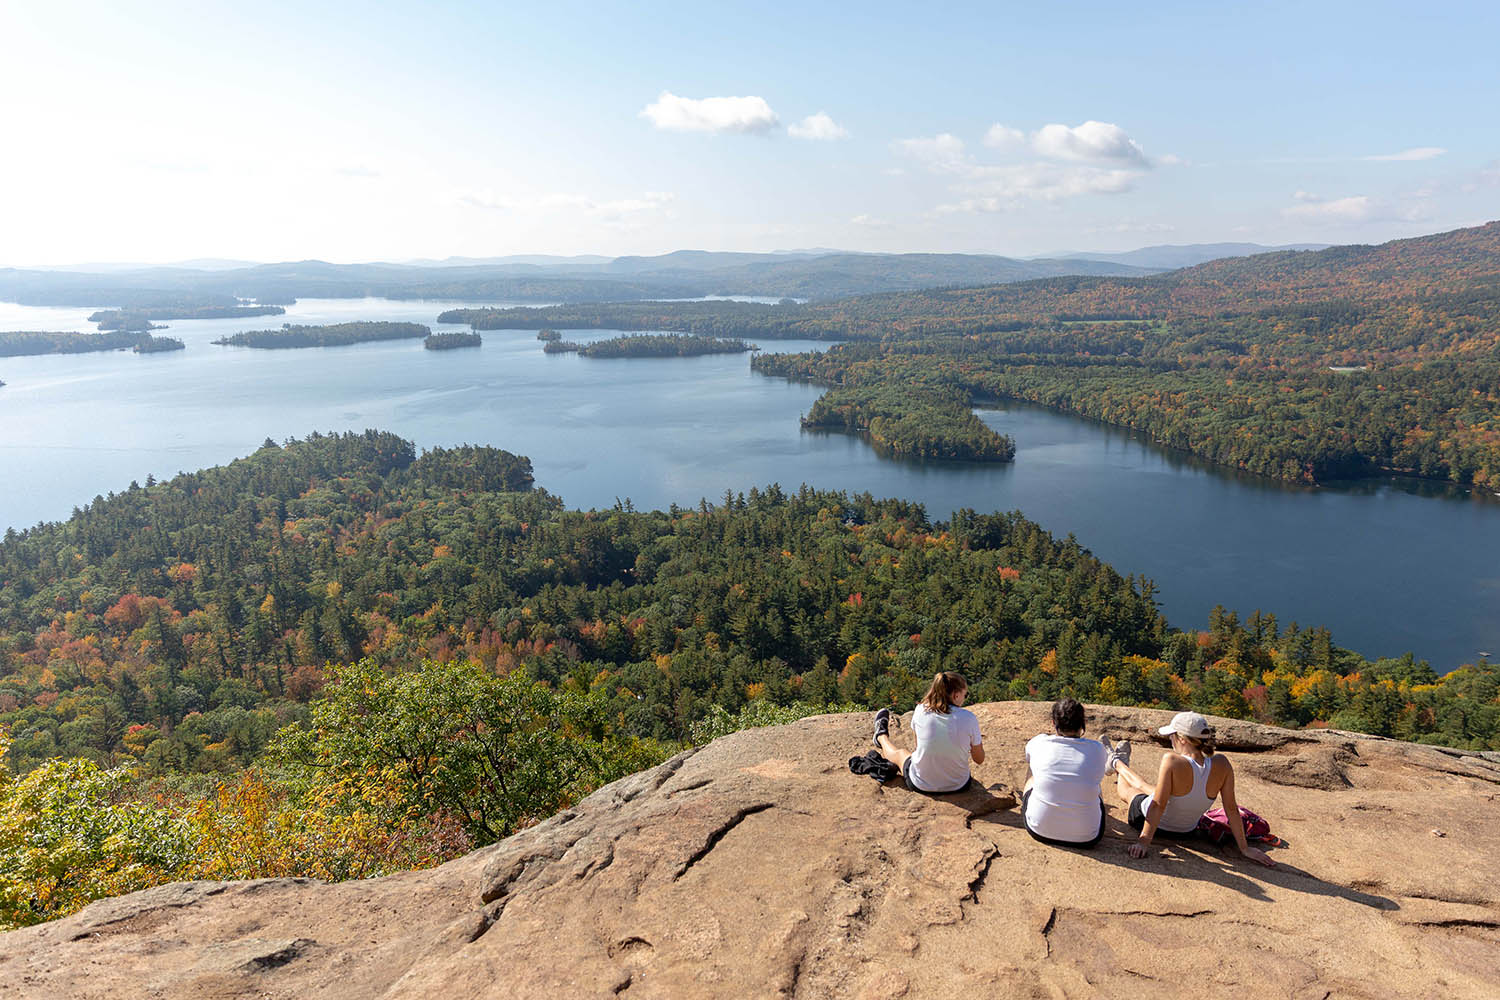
<point>561,347</point>
<point>548,334</point>
<point>911,423</point>
<point>156,345</point>
<point>663,345</point>
<point>332,335</point>
<point>24,343</point>
<point>451,341</point>
<point>138,319</point>
<point>129,322</point>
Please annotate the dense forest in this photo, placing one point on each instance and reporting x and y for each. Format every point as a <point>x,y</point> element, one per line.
<point>332,335</point>
<point>329,657</point>
<point>911,423</point>
<point>662,345</point>
<point>156,345</point>
<point>450,341</point>
<point>23,343</point>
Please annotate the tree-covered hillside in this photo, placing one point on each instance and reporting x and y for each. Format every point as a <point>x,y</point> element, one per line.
<point>336,657</point>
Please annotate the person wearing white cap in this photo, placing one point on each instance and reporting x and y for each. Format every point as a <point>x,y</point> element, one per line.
<point>1190,778</point>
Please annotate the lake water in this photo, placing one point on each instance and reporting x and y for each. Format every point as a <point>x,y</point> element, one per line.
<point>1387,568</point>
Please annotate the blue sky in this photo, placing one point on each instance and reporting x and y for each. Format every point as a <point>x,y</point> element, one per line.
<point>165,131</point>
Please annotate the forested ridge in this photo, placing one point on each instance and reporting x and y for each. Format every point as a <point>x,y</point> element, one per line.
<point>1230,360</point>
<point>339,657</point>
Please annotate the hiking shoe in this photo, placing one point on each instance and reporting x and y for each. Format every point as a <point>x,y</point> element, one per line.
<point>1118,754</point>
<point>882,725</point>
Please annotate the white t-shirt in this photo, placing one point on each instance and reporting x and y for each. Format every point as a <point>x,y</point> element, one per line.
<point>941,763</point>
<point>1066,772</point>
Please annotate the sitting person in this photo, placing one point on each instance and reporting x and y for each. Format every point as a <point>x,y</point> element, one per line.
<point>1061,803</point>
<point>1190,778</point>
<point>947,738</point>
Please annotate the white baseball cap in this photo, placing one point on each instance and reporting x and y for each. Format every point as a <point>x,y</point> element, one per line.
<point>1187,724</point>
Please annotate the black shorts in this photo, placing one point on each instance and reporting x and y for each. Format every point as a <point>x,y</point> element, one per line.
<point>1085,844</point>
<point>1137,819</point>
<point>912,786</point>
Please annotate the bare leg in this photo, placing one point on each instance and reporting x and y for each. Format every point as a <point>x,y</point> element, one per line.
<point>1129,784</point>
<point>889,751</point>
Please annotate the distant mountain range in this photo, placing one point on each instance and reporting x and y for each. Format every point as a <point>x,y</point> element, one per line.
<point>804,274</point>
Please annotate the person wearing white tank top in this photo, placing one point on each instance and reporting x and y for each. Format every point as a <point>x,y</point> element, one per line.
<point>1190,778</point>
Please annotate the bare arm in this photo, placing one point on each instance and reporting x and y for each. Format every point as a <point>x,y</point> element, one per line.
<point>976,750</point>
<point>1236,823</point>
<point>1156,805</point>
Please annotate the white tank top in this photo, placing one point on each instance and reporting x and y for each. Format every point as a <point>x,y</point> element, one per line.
<point>1183,811</point>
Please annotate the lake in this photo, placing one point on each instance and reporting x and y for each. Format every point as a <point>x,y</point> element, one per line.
<point>1388,565</point>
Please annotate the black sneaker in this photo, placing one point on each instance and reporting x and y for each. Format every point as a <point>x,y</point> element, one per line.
<point>882,724</point>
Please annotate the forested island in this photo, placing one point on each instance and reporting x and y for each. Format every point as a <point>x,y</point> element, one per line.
<point>332,335</point>
<point>156,345</point>
<point>129,321</point>
<point>556,346</point>
<point>142,318</point>
<point>21,344</point>
<point>296,651</point>
<point>663,345</point>
<point>450,341</point>
<point>545,334</point>
<point>911,423</point>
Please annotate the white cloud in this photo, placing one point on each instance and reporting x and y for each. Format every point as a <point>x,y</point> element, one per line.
<point>1415,153</point>
<point>1002,188</point>
<point>711,114</point>
<point>871,221</point>
<point>1090,141</point>
<point>818,126</point>
<point>943,153</point>
<point>1351,210</point>
<point>1000,136</point>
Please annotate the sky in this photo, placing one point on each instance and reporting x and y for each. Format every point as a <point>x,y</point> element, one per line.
<point>155,132</point>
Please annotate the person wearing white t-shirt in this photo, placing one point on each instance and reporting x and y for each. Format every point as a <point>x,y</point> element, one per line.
<point>1061,802</point>
<point>947,738</point>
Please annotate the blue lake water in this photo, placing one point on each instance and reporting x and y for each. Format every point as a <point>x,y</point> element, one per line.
<point>1388,566</point>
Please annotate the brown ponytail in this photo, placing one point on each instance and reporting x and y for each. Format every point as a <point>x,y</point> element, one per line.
<point>945,684</point>
<point>1205,744</point>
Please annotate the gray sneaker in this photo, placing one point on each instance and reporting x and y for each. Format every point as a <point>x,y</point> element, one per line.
<point>882,725</point>
<point>1118,754</point>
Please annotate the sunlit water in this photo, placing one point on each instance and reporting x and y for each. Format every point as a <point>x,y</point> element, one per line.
<point>1387,569</point>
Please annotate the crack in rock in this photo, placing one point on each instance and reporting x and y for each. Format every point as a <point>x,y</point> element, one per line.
<point>718,834</point>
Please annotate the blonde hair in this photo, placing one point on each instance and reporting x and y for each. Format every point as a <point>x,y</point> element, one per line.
<point>945,684</point>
